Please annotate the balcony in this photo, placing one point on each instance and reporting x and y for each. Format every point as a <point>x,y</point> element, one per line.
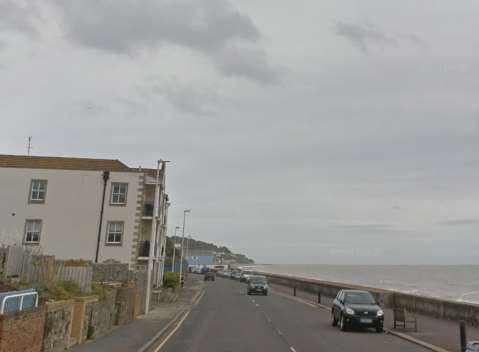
<point>144,250</point>
<point>147,210</point>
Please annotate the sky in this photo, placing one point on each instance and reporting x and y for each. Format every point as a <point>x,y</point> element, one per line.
<point>312,131</point>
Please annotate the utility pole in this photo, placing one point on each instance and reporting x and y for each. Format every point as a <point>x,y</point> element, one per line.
<point>183,242</point>
<point>174,250</point>
<point>154,225</point>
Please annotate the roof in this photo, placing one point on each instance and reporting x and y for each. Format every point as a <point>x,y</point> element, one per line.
<point>62,163</point>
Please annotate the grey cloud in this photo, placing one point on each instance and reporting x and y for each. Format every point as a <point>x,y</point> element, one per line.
<point>130,25</point>
<point>190,98</point>
<point>249,63</point>
<point>371,226</point>
<point>460,222</point>
<point>212,27</point>
<point>18,16</point>
<point>362,37</point>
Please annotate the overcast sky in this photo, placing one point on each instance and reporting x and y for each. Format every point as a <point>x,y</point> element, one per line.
<point>312,131</point>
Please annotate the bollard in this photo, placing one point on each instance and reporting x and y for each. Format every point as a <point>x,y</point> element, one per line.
<point>294,291</point>
<point>462,330</point>
<point>319,297</point>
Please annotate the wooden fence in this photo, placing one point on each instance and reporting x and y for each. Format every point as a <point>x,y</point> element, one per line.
<point>18,262</point>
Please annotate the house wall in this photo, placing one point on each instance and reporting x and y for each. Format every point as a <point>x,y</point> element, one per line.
<point>70,213</point>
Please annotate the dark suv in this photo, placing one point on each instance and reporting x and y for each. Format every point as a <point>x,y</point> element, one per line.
<point>356,308</point>
<point>209,275</point>
<point>257,284</point>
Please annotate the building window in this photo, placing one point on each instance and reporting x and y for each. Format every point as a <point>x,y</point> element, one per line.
<point>38,191</point>
<point>118,193</point>
<point>33,229</point>
<point>114,233</point>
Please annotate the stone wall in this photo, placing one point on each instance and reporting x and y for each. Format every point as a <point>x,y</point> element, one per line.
<point>79,330</point>
<point>57,330</point>
<point>101,315</point>
<point>111,272</point>
<point>126,299</point>
<point>22,331</point>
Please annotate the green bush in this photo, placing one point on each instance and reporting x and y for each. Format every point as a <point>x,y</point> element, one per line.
<point>58,291</point>
<point>171,280</point>
<point>100,289</point>
<point>76,262</point>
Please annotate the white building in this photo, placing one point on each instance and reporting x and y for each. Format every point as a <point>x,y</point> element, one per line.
<point>92,209</point>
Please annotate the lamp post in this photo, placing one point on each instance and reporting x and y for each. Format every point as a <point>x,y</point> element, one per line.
<point>174,250</point>
<point>183,242</point>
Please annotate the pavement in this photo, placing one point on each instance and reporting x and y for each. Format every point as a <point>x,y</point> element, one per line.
<point>133,336</point>
<point>228,320</point>
<point>437,332</point>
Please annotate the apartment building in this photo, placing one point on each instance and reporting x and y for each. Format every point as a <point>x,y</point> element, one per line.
<point>77,208</point>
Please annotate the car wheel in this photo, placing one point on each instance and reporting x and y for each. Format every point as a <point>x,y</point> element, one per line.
<point>342,323</point>
<point>248,293</point>
<point>265,293</point>
<point>379,329</point>
<point>334,321</point>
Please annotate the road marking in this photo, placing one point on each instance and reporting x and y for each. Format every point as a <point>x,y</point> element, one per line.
<point>257,305</point>
<point>172,332</point>
<point>292,349</point>
<point>300,300</point>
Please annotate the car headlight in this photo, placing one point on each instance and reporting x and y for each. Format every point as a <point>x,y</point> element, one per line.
<point>349,311</point>
<point>380,313</point>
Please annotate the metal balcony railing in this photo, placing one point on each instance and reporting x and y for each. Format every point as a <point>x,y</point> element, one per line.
<point>148,209</point>
<point>144,249</point>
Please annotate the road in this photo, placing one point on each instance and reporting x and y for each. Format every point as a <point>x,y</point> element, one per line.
<point>228,320</point>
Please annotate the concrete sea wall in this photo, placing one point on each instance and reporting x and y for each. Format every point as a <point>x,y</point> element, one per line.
<point>436,307</point>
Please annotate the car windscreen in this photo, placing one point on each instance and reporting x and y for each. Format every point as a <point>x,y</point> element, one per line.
<point>257,280</point>
<point>359,298</point>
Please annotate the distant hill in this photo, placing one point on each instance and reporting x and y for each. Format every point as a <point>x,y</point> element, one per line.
<point>226,253</point>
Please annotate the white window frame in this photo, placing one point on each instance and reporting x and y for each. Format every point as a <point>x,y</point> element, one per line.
<point>115,232</point>
<point>32,231</point>
<point>118,193</point>
<point>38,187</point>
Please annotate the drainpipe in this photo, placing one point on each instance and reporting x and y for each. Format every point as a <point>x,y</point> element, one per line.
<point>106,176</point>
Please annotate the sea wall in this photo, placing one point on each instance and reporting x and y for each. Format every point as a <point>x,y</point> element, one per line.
<point>436,307</point>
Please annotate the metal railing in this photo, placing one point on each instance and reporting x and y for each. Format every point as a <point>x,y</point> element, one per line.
<point>144,249</point>
<point>16,296</point>
<point>148,209</point>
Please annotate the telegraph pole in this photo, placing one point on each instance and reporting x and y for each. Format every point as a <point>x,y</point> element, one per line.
<point>183,242</point>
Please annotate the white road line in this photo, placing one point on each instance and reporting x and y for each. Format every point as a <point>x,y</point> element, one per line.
<point>172,332</point>
<point>292,349</point>
<point>257,305</point>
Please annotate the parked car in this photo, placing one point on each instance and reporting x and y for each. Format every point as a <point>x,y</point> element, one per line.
<point>209,276</point>
<point>472,346</point>
<point>235,275</point>
<point>354,308</point>
<point>257,284</point>
<point>244,277</point>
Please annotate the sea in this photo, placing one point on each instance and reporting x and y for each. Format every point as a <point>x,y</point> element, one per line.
<point>452,282</point>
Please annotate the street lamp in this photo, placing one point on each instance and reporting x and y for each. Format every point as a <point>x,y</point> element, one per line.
<point>174,250</point>
<point>183,242</point>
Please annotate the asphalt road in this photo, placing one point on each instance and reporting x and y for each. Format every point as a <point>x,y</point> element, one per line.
<point>228,320</point>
